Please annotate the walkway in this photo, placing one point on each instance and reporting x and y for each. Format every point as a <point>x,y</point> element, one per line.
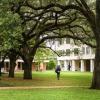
<point>41,87</point>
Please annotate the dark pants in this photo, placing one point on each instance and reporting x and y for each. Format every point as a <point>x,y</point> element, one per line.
<point>58,75</point>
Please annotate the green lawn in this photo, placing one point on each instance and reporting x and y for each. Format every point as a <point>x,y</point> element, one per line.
<point>49,79</point>
<point>51,94</point>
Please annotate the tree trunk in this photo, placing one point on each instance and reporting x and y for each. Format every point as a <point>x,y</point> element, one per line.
<point>11,69</point>
<point>11,72</point>
<point>0,71</point>
<point>28,70</point>
<point>96,73</point>
<point>12,56</point>
<point>0,67</point>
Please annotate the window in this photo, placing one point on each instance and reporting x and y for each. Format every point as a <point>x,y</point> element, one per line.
<point>83,50</point>
<point>76,51</point>
<point>61,53</point>
<point>93,50</point>
<point>68,52</point>
<point>87,50</point>
<point>59,41</point>
<point>64,53</point>
<point>67,40</point>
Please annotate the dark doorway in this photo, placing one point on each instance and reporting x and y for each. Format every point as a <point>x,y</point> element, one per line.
<point>7,66</point>
<point>87,65</point>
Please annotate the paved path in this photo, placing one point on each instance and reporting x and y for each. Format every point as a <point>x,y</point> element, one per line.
<point>41,87</point>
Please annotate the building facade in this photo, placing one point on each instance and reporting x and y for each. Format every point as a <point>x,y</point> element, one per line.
<point>36,66</point>
<point>71,57</point>
<point>74,57</point>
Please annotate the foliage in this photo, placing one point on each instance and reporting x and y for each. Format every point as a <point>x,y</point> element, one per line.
<point>44,54</point>
<point>43,20</point>
<point>10,28</point>
<point>51,65</point>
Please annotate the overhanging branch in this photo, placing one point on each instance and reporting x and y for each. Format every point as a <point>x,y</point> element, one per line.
<point>50,49</point>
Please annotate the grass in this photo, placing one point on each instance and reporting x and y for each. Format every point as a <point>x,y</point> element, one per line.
<point>49,79</point>
<point>51,94</point>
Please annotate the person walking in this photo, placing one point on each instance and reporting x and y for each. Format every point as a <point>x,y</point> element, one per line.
<point>57,70</point>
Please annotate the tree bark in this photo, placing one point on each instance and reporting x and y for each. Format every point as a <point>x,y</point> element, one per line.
<point>1,67</point>
<point>96,73</point>
<point>27,66</point>
<point>28,70</point>
<point>11,69</point>
<point>0,71</point>
<point>28,57</point>
<point>12,56</point>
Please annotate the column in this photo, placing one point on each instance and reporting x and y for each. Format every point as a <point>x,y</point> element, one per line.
<point>91,65</point>
<point>21,65</point>
<point>58,62</point>
<point>16,67</point>
<point>64,40</point>
<point>82,66</point>
<point>65,65</point>
<point>73,65</point>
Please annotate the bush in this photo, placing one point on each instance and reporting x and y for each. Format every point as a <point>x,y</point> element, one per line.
<point>51,65</point>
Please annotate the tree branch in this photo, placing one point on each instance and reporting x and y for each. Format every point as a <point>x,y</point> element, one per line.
<point>50,49</point>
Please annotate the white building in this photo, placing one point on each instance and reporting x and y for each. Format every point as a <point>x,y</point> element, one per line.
<point>74,57</point>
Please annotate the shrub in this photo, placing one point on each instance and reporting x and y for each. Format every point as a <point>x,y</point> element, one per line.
<point>51,65</point>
